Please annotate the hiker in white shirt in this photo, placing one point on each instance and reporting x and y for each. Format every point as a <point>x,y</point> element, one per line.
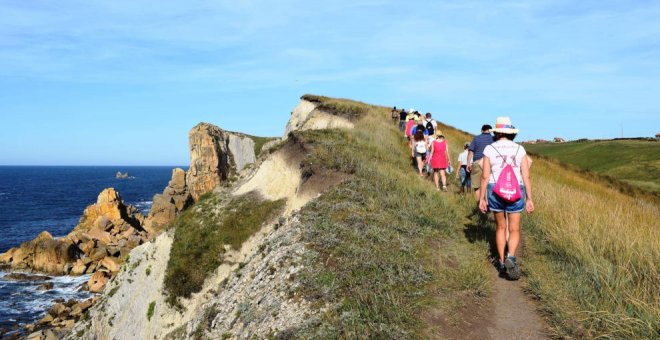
<point>462,174</point>
<point>497,157</point>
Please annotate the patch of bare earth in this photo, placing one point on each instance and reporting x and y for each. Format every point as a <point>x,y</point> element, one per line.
<point>507,314</point>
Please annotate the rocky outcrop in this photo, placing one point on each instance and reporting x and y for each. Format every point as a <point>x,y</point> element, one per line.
<point>166,206</point>
<point>215,154</point>
<point>307,116</point>
<point>120,175</point>
<point>209,159</point>
<point>44,254</point>
<point>105,234</point>
<point>59,319</point>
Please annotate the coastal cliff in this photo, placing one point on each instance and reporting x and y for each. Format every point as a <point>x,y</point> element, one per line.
<point>270,256</point>
<point>219,187</point>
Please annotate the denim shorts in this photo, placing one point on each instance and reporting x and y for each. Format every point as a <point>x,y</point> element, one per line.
<point>466,179</point>
<point>497,204</point>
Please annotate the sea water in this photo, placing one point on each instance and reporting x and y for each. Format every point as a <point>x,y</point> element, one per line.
<point>52,198</point>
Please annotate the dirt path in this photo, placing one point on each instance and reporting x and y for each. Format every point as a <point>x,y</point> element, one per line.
<point>513,315</point>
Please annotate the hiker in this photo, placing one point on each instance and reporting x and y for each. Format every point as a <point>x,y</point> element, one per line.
<point>419,149</point>
<point>420,126</point>
<point>475,153</point>
<point>431,124</point>
<point>394,114</point>
<point>462,174</point>
<point>410,124</point>
<point>402,120</point>
<point>507,195</point>
<point>439,160</point>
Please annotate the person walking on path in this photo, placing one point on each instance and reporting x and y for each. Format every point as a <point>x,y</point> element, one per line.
<point>497,158</point>
<point>430,124</point>
<point>402,120</point>
<point>475,155</point>
<point>462,174</point>
<point>394,114</point>
<point>419,149</point>
<point>410,123</point>
<point>439,160</point>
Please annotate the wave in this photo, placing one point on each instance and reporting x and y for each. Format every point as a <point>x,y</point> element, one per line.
<point>25,303</point>
<point>144,206</point>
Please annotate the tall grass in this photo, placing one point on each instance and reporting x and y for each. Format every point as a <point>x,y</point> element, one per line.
<point>595,257</point>
<point>591,252</point>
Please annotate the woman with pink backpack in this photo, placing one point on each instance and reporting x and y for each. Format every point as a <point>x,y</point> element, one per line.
<point>509,192</point>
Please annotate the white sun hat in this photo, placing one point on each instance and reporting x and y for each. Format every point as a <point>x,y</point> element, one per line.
<point>503,125</point>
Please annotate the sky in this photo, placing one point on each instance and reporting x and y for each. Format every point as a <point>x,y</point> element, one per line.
<point>122,82</point>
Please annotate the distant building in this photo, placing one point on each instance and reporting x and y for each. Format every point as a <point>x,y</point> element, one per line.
<point>657,136</point>
<point>559,140</point>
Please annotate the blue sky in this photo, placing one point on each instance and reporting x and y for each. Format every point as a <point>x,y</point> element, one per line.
<point>122,82</point>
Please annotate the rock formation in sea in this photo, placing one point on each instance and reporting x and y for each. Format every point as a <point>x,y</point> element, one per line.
<point>105,234</point>
<point>120,175</point>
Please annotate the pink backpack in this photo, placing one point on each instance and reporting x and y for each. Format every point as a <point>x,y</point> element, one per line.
<point>507,186</point>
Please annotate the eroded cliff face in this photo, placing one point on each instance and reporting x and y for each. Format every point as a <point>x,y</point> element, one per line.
<point>215,155</point>
<point>307,116</point>
<point>166,206</point>
<point>209,159</point>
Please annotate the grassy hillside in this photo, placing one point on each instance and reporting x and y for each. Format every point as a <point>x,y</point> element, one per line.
<point>636,162</point>
<point>388,251</point>
<point>590,252</point>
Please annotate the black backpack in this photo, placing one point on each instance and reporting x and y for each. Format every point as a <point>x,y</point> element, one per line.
<point>429,127</point>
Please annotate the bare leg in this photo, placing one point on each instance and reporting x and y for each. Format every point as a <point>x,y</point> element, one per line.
<point>500,237</point>
<point>514,232</point>
<point>420,165</point>
<point>444,178</point>
<point>435,179</point>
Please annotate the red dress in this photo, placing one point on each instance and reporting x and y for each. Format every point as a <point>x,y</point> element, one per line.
<point>409,125</point>
<point>439,157</point>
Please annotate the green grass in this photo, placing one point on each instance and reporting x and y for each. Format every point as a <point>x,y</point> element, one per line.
<point>150,310</point>
<point>203,230</point>
<point>259,143</point>
<point>386,248</point>
<point>349,109</point>
<point>635,162</point>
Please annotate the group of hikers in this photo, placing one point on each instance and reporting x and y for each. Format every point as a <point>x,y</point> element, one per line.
<point>492,165</point>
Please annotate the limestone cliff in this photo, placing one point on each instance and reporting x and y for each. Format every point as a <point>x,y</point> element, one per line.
<point>215,155</point>
<point>309,116</point>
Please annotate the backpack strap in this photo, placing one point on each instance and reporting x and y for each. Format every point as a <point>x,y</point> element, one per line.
<point>514,157</point>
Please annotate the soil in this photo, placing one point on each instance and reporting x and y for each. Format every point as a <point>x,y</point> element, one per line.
<point>514,315</point>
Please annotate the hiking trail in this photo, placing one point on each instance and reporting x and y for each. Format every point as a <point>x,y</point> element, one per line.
<point>512,314</point>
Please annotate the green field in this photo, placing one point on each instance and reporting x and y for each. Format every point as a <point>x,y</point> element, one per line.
<point>636,162</point>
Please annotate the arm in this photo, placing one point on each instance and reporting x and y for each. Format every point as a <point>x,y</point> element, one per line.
<point>447,154</point>
<point>483,204</point>
<point>469,160</point>
<point>527,180</point>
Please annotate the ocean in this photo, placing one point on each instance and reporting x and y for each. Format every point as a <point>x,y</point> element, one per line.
<point>52,198</point>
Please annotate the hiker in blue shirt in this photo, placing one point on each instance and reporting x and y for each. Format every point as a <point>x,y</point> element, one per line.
<point>420,125</point>
<point>475,155</point>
